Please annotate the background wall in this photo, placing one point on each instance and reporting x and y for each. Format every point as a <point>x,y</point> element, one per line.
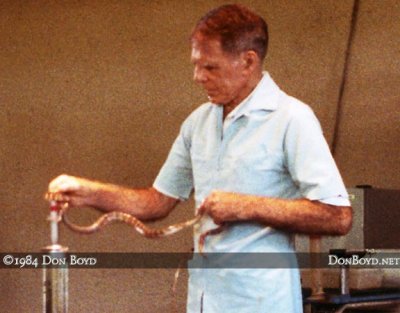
<point>99,89</point>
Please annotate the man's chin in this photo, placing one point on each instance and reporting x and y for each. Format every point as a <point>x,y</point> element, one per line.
<point>214,100</point>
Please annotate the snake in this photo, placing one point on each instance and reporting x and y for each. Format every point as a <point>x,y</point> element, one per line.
<point>57,204</point>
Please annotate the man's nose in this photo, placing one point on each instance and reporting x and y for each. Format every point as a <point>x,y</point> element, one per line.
<point>199,76</point>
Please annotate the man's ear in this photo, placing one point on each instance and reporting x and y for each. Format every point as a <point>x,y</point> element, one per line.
<point>250,59</point>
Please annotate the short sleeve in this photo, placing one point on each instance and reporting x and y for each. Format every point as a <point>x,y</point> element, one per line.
<point>175,178</point>
<point>310,161</point>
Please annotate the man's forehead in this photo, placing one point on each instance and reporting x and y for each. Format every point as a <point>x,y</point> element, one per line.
<point>207,48</point>
<point>206,44</point>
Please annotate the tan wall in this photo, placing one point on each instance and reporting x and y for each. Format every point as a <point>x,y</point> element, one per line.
<point>99,89</point>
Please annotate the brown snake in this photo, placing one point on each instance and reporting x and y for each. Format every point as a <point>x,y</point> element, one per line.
<point>56,200</point>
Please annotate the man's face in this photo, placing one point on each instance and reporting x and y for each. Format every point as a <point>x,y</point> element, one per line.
<point>221,74</point>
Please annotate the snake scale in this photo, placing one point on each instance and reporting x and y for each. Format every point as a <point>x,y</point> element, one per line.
<point>62,207</point>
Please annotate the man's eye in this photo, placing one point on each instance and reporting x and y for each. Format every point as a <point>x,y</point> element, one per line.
<point>210,67</point>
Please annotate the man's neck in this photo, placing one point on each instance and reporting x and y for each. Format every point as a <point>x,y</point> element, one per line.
<point>252,84</point>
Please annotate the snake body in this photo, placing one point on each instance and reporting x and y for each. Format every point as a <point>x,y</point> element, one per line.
<point>140,227</point>
<point>115,216</point>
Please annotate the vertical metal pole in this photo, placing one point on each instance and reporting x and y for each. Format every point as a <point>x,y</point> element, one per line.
<point>55,279</point>
<point>55,268</point>
<point>344,280</point>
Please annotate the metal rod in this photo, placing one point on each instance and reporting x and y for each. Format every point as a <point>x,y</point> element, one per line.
<point>55,272</point>
<point>344,280</point>
<point>55,280</point>
<point>367,305</point>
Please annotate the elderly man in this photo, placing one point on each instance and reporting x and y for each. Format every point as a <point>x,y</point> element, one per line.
<point>256,159</point>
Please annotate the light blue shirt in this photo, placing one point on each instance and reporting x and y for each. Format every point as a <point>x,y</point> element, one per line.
<point>269,145</point>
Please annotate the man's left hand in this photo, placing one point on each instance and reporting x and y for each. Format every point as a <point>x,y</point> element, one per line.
<point>223,206</point>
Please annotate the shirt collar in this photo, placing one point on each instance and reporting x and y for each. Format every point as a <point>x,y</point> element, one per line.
<point>263,98</point>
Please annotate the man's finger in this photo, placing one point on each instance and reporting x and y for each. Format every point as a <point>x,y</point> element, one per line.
<point>64,183</point>
<point>202,208</point>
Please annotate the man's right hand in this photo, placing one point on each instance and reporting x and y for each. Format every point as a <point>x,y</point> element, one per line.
<point>78,192</point>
